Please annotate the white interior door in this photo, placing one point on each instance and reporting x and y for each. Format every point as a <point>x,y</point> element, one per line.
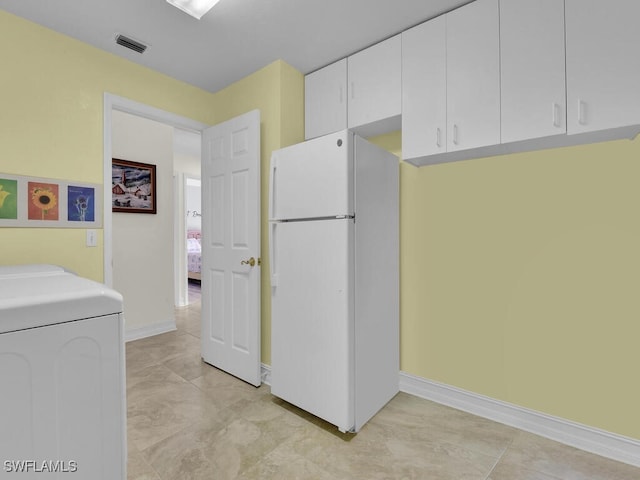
<point>230,240</point>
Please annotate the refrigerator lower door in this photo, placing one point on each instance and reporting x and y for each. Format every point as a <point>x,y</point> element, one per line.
<point>312,319</point>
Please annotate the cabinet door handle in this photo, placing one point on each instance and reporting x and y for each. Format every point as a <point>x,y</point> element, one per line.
<point>438,143</point>
<point>340,93</point>
<point>556,114</point>
<point>582,112</point>
<point>353,91</point>
<point>455,134</point>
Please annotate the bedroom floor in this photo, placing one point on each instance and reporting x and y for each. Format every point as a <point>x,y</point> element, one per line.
<point>188,420</point>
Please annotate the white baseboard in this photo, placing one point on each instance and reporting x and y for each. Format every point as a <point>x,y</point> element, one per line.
<point>149,330</point>
<point>600,442</point>
<point>265,374</point>
<point>590,439</point>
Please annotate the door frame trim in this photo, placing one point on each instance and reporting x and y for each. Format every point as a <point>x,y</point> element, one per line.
<point>114,102</point>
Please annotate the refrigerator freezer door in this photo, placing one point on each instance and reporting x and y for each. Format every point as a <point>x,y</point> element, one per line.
<point>312,318</point>
<point>312,179</point>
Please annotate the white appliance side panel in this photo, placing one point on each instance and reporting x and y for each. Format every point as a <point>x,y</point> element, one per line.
<point>17,423</point>
<point>312,318</point>
<point>68,400</point>
<point>89,390</point>
<point>377,298</point>
<point>313,178</point>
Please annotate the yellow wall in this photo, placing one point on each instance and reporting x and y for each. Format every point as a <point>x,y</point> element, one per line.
<point>520,277</point>
<point>51,104</point>
<point>143,245</point>
<point>51,126</point>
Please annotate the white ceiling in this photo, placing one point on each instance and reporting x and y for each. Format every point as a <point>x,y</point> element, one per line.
<point>237,37</point>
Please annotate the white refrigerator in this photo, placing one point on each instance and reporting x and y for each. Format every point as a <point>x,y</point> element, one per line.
<point>334,268</point>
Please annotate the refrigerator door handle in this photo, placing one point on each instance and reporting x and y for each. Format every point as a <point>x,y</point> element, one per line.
<point>272,183</point>
<point>272,255</point>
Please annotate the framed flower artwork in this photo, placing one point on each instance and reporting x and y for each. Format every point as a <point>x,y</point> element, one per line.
<point>45,202</point>
<point>81,203</point>
<point>8,199</point>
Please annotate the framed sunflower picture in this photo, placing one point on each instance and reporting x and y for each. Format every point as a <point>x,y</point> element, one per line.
<point>43,203</point>
<point>133,186</point>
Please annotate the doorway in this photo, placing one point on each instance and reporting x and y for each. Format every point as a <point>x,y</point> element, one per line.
<point>154,271</point>
<point>193,206</point>
<point>188,212</point>
<point>233,147</point>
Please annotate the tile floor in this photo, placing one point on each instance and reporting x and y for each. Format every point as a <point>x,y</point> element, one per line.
<point>188,420</point>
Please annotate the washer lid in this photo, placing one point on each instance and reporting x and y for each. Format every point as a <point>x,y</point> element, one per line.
<point>29,269</point>
<point>39,296</point>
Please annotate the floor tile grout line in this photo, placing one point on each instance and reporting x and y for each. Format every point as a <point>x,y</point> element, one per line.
<point>500,457</point>
<point>158,474</point>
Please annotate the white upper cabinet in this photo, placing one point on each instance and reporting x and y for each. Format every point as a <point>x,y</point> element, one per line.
<point>603,71</point>
<point>451,82</point>
<point>325,100</point>
<point>491,77</point>
<point>532,58</point>
<point>424,89</point>
<point>473,76</point>
<point>374,84</point>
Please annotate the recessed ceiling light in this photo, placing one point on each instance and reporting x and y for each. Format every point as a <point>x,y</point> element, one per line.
<point>195,8</point>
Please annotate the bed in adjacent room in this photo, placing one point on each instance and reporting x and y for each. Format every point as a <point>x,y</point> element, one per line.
<point>194,255</point>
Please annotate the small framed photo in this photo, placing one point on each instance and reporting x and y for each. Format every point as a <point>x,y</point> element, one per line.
<point>133,186</point>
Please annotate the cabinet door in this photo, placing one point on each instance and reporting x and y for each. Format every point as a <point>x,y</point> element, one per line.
<point>375,83</point>
<point>424,89</point>
<point>532,69</point>
<point>603,72</point>
<point>473,76</point>
<point>325,100</point>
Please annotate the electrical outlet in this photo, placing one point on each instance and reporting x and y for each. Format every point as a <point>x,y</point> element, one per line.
<point>92,238</point>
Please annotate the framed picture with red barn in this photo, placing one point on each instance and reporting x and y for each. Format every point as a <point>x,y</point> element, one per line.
<point>133,186</point>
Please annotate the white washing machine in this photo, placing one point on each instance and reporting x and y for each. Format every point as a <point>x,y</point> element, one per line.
<point>62,381</point>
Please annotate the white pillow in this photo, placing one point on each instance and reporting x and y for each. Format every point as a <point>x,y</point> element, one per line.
<point>193,245</point>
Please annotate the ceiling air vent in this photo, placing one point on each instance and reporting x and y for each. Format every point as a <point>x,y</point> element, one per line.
<point>130,43</point>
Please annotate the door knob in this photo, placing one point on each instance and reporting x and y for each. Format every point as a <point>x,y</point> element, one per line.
<point>251,262</point>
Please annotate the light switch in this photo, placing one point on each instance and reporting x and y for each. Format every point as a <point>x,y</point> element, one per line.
<point>92,238</point>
